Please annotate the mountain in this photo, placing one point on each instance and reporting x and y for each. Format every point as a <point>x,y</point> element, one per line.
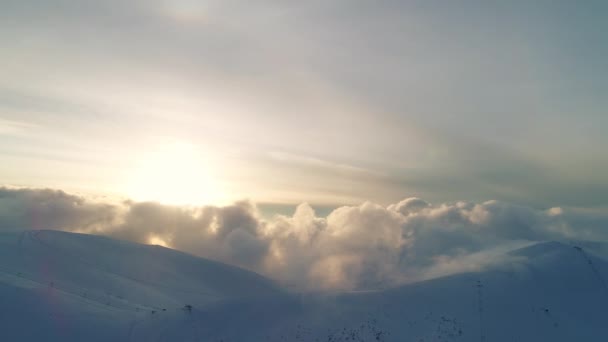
<point>65,284</point>
<point>57,286</point>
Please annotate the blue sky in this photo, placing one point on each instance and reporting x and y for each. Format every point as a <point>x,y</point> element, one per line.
<point>329,102</point>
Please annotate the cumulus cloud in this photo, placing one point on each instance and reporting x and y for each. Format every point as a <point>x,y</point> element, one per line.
<point>53,209</point>
<point>355,247</point>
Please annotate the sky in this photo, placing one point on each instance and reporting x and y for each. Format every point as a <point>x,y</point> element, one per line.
<point>329,102</point>
<point>328,144</point>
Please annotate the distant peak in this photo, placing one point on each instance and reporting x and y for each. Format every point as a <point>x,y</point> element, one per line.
<point>544,248</point>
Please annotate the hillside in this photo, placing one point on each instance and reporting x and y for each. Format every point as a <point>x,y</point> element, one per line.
<point>57,286</point>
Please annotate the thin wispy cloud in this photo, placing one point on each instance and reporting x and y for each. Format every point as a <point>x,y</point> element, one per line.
<point>448,102</point>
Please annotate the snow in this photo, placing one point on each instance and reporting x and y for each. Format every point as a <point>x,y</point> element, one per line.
<point>57,286</point>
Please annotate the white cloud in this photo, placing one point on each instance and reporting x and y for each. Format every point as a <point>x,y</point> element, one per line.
<point>354,247</point>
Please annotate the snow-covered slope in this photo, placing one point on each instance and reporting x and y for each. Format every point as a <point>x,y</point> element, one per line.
<point>549,292</point>
<point>68,287</point>
<point>71,285</point>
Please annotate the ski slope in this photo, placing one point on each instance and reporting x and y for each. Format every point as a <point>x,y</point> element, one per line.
<point>57,286</point>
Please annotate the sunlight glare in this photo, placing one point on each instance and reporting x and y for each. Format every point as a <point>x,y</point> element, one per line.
<point>175,173</point>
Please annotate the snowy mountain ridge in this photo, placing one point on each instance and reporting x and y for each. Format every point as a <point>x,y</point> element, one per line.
<point>57,286</point>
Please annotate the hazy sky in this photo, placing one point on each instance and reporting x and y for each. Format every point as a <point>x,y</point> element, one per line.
<point>330,102</point>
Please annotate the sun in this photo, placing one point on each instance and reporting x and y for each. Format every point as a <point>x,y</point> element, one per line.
<point>174,173</point>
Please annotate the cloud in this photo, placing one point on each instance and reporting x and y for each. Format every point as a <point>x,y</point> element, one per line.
<point>230,234</point>
<point>355,247</point>
<point>398,102</point>
<point>53,209</point>
<point>409,205</point>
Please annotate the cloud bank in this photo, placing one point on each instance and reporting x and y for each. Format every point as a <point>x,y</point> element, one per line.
<point>355,247</point>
